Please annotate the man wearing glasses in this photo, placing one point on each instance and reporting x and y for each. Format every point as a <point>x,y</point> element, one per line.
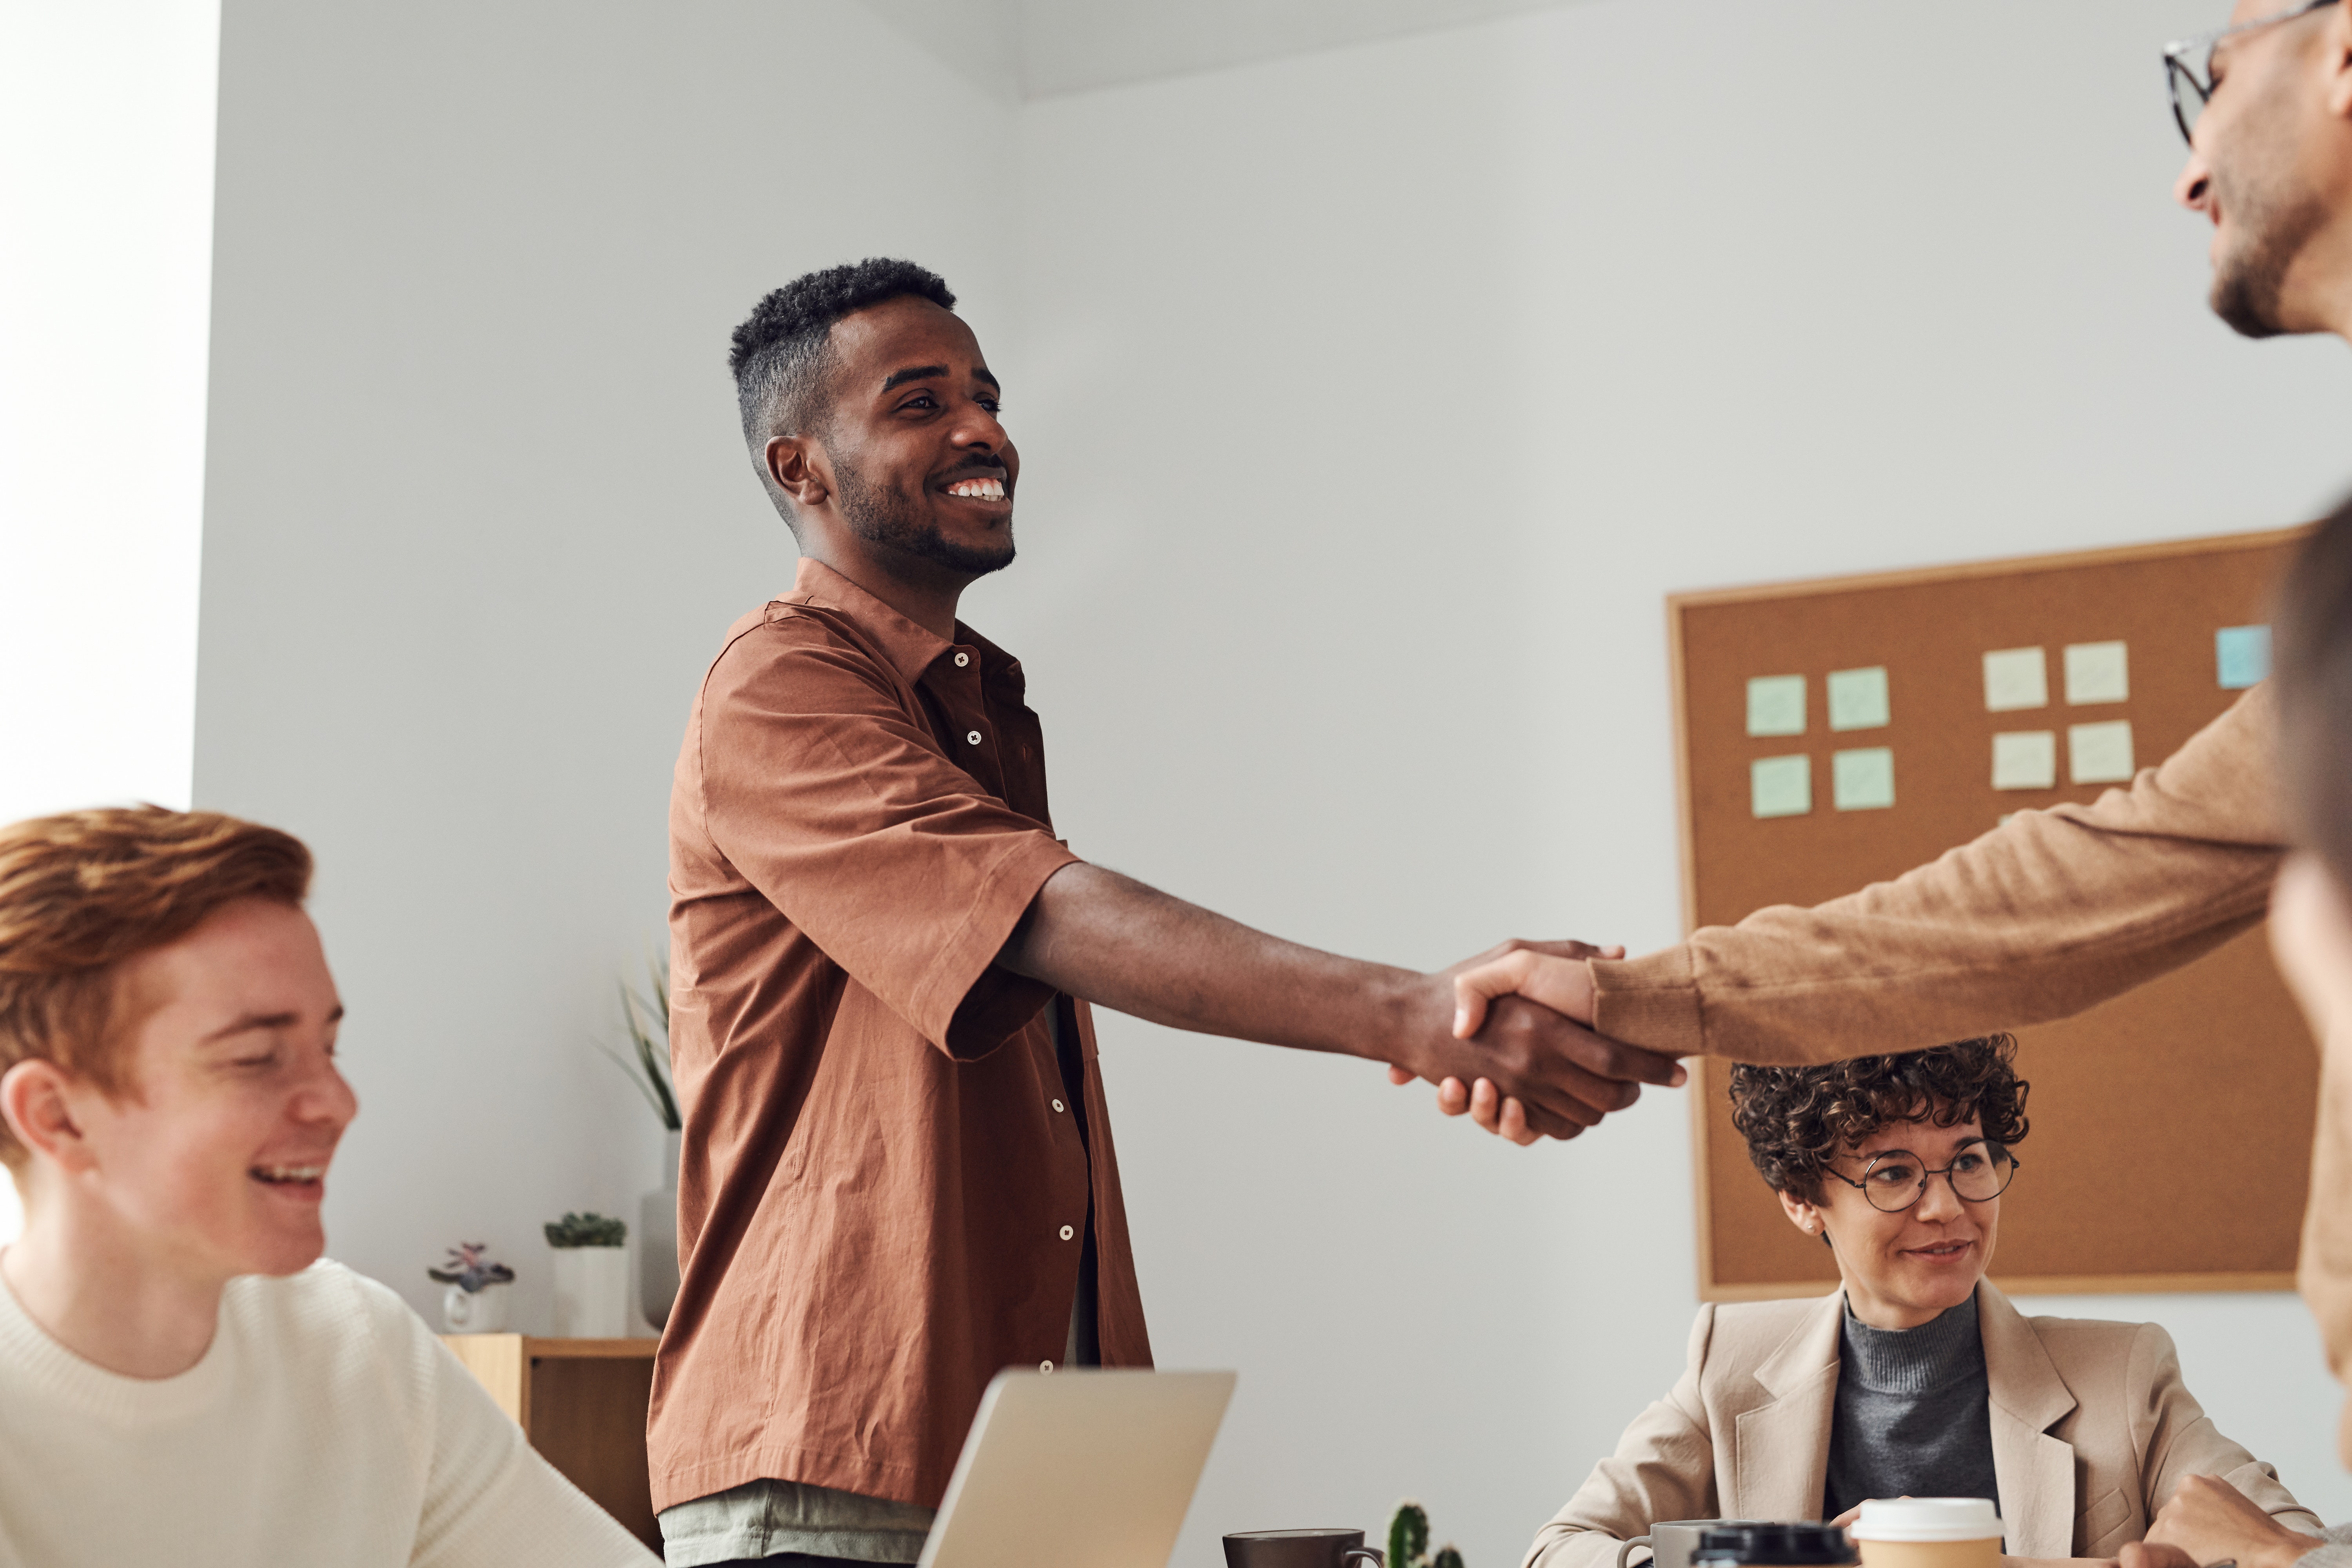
<point>2057,911</point>
<point>2266,107</point>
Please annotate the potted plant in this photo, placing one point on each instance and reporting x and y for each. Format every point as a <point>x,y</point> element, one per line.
<point>476,1300</point>
<point>592,1277</point>
<point>646,1015</point>
<point>1409,1541</point>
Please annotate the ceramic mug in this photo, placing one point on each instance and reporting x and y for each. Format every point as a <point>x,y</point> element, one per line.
<point>1671,1541</point>
<point>1300,1548</point>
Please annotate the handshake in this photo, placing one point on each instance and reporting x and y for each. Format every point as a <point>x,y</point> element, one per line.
<point>1521,1056</point>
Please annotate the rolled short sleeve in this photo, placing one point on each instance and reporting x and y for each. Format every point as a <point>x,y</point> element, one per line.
<point>826,791</point>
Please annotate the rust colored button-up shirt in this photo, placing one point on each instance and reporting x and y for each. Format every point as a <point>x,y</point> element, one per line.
<point>882,1200</point>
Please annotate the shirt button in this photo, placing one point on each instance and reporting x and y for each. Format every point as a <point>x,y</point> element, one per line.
<point>1067,1233</point>
<point>962,660</point>
<point>1058,1105</point>
<point>1045,1366</point>
<point>972,736</point>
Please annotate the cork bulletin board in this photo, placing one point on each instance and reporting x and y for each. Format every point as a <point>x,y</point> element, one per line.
<point>1836,734</point>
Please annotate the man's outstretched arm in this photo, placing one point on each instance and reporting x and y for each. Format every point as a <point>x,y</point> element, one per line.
<point>2050,914</point>
<point>1123,945</point>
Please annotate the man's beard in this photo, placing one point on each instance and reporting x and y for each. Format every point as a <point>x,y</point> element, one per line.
<point>2273,224</point>
<point>883,517</point>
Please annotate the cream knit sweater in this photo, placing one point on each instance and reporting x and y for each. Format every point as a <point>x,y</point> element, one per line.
<point>325,1428</point>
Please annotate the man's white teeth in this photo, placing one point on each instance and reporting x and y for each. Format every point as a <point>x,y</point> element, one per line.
<point>289,1172</point>
<point>979,489</point>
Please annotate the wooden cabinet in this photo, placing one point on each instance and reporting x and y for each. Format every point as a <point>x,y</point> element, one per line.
<point>582,1403</point>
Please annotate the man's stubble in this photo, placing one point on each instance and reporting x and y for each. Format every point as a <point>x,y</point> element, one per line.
<point>883,518</point>
<point>2274,221</point>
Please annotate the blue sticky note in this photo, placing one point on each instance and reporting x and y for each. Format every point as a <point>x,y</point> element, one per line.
<point>2241,655</point>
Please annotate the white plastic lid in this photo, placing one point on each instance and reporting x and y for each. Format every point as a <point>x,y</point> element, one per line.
<point>1927,1518</point>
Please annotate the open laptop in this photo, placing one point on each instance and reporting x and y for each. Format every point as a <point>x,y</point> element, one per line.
<point>1078,1468</point>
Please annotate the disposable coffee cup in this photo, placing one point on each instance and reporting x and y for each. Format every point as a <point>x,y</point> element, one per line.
<point>1671,1542</point>
<point>1928,1532</point>
<point>1791,1546</point>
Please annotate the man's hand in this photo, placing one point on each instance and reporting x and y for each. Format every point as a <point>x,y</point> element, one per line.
<point>1552,973</point>
<point>2207,1519</point>
<point>1489,1103</point>
<point>2150,1555</point>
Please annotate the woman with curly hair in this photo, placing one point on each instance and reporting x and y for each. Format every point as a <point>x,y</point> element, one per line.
<point>1916,1376</point>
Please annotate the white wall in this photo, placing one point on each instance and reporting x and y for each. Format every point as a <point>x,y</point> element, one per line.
<point>1369,402</point>
<point>106,184</point>
<point>478,515</point>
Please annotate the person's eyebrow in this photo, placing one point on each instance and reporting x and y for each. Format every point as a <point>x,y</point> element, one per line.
<point>926,372</point>
<point>253,1021</point>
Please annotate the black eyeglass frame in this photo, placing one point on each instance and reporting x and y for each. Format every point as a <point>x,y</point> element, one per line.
<point>1926,1176</point>
<point>2180,74</point>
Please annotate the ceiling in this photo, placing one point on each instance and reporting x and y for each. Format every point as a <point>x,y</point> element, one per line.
<point>1035,48</point>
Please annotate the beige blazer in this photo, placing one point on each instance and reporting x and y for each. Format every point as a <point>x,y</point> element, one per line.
<point>2091,1431</point>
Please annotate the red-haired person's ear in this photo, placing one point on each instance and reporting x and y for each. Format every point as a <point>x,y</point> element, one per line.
<point>34,1101</point>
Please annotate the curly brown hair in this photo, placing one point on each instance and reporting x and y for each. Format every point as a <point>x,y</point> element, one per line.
<point>1797,1120</point>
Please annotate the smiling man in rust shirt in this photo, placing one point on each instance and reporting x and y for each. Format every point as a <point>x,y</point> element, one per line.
<point>898,1175</point>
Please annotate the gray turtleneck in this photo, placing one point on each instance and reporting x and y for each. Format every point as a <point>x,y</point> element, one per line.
<point>1913,1413</point>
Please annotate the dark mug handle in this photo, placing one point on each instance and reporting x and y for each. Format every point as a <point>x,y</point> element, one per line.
<point>1380,1560</point>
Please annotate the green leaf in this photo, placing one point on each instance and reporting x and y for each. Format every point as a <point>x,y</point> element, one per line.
<point>651,1071</point>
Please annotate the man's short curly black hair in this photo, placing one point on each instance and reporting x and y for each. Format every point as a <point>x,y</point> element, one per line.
<point>781,354</point>
<point>1797,1120</point>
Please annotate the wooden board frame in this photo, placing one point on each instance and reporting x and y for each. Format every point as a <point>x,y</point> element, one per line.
<point>1705,1074</point>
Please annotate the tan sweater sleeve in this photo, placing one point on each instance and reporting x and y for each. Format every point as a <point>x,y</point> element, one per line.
<point>2046,915</point>
<point>1664,1468</point>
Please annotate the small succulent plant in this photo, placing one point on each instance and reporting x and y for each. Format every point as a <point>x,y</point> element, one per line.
<point>586,1230</point>
<point>470,1269</point>
<point>1409,1541</point>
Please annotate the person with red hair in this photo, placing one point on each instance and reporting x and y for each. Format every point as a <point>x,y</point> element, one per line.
<point>182,1378</point>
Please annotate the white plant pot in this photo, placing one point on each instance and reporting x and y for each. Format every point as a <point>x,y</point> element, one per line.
<point>591,1292</point>
<point>482,1311</point>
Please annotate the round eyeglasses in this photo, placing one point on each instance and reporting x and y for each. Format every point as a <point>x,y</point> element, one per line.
<point>1896,1179</point>
<point>2188,65</point>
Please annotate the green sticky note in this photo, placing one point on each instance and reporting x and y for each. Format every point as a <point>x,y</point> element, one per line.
<point>1858,698</point>
<point>2016,677</point>
<point>2100,753</point>
<point>2097,672</point>
<point>1776,705</point>
<point>1863,779</point>
<point>2025,759</point>
<point>1780,786</point>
